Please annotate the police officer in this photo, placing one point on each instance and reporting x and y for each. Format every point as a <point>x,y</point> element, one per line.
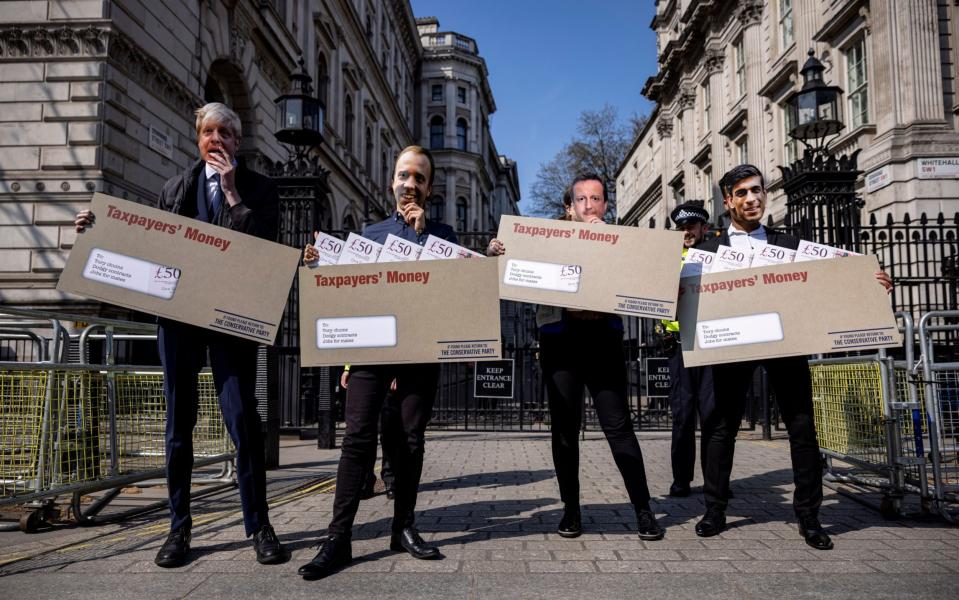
<point>690,389</point>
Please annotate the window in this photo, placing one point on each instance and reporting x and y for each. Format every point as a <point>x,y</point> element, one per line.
<point>740,53</point>
<point>785,24</point>
<point>322,81</point>
<point>461,214</point>
<point>436,133</point>
<point>437,209</point>
<point>857,83</point>
<point>385,171</point>
<point>461,129</point>
<point>744,152</point>
<point>707,185</point>
<point>707,105</point>
<point>368,156</point>
<point>791,153</point>
<point>349,123</point>
<point>437,92</point>
<point>461,95</point>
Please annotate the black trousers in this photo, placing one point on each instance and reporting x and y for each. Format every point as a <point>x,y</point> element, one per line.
<point>789,378</point>
<point>590,354</point>
<point>183,351</point>
<point>386,471</point>
<point>690,393</point>
<point>409,412</point>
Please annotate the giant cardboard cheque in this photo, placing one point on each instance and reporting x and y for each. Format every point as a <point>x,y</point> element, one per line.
<point>606,268</point>
<point>785,310</point>
<point>181,268</point>
<point>401,312</point>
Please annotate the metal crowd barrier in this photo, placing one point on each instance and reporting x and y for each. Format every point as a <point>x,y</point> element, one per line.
<point>879,416</point>
<point>79,428</point>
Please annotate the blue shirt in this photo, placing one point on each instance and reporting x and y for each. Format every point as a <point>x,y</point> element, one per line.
<point>398,227</point>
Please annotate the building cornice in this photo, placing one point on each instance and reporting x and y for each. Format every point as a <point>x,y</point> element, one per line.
<point>836,21</point>
<point>96,40</point>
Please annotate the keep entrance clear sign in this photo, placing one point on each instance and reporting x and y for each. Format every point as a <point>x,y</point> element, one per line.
<point>494,379</point>
<point>657,377</point>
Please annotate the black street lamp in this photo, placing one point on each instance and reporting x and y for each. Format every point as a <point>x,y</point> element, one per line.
<point>299,116</point>
<point>821,200</point>
<point>814,108</point>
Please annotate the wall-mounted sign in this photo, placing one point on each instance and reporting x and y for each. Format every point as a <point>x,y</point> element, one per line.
<point>878,179</point>
<point>161,142</point>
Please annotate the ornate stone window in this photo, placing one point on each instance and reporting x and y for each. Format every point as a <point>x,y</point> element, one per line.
<point>785,24</point>
<point>461,130</point>
<point>461,214</point>
<point>436,92</point>
<point>437,209</point>
<point>323,82</point>
<point>461,94</point>
<point>436,133</point>
<point>740,51</point>
<point>857,83</point>
<point>350,122</point>
<point>368,156</point>
<point>791,146</point>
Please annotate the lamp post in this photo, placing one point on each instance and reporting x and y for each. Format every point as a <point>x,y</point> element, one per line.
<point>300,396</point>
<point>821,200</point>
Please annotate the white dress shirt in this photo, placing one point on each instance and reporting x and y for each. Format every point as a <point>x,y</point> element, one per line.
<point>746,240</point>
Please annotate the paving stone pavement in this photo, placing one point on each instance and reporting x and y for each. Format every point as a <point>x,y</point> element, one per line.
<point>491,503</point>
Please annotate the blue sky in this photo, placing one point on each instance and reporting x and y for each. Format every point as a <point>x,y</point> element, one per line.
<point>550,60</point>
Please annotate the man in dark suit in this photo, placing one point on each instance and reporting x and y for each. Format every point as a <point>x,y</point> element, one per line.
<point>409,389</point>
<point>744,196</point>
<point>216,189</point>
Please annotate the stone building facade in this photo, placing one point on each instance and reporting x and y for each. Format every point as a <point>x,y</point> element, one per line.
<point>474,184</point>
<point>98,96</point>
<point>726,68</point>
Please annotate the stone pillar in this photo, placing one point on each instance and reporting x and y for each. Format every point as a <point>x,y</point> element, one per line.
<point>475,141</point>
<point>687,116</point>
<point>714,69</point>
<point>426,93</point>
<point>750,16</point>
<point>664,128</point>
<point>450,198</point>
<point>450,98</point>
<point>915,32</point>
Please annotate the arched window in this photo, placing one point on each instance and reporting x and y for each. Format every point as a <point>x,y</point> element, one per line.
<point>461,130</point>
<point>461,214</point>
<point>322,81</point>
<point>436,133</point>
<point>437,209</point>
<point>350,122</point>
<point>369,152</point>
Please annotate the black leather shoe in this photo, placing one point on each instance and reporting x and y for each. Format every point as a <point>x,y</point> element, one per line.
<point>409,540</point>
<point>813,533</point>
<point>336,553</point>
<point>712,523</point>
<point>571,525</point>
<point>647,525</point>
<point>269,550</point>
<point>176,548</point>
<point>679,491</point>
